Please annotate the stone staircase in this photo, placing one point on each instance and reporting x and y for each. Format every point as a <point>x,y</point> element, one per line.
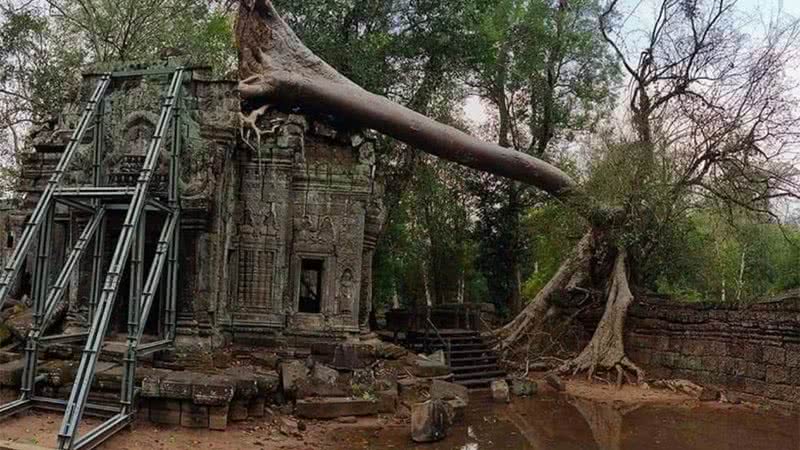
<point>472,360</point>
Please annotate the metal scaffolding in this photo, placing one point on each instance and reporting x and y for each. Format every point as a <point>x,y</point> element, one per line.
<point>97,200</point>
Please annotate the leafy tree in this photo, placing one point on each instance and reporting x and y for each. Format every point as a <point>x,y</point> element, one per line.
<point>544,72</point>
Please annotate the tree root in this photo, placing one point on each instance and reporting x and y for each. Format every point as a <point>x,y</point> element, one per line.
<point>606,349</point>
<point>530,319</point>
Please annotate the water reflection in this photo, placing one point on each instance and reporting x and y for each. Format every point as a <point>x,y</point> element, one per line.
<point>579,424</point>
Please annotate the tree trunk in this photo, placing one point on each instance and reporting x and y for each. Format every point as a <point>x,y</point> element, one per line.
<point>276,68</point>
<point>606,350</point>
<point>530,319</point>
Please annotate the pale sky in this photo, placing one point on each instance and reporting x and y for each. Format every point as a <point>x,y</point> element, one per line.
<point>758,10</point>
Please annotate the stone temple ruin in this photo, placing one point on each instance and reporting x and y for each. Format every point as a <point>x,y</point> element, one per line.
<point>279,216</point>
<point>157,224</point>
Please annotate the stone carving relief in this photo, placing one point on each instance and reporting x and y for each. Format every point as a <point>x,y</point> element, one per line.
<point>258,221</point>
<point>346,292</point>
<point>309,234</point>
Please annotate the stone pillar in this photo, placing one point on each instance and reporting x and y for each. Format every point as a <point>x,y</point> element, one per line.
<point>372,228</point>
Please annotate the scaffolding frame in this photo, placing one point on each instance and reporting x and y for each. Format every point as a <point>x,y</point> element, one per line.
<point>97,200</point>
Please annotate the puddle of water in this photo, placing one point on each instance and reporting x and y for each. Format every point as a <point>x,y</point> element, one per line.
<point>576,424</point>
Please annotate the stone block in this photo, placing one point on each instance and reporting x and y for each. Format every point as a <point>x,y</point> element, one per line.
<point>777,374</point>
<point>429,421</point>
<point>165,411</point>
<point>443,390</point>
<point>292,373</point>
<point>709,394</point>
<point>269,360</point>
<point>793,377</point>
<point>345,357</point>
<point>256,407</point>
<point>793,355</point>
<point>775,355</point>
<point>500,391</point>
<point>749,352</point>
<point>323,374</point>
<point>212,390</point>
<point>151,386</point>
<point>177,385</point>
<point>782,392</point>
<point>387,401</point>
<point>425,368</point>
<point>239,410</point>
<point>310,388</point>
<point>193,416</point>
<point>331,408</point>
<point>267,382</point>
<point>555,382</point>
<point>522,387</point>
<point>218,417</point>
<point>456,410</point>
<point>11,373</point>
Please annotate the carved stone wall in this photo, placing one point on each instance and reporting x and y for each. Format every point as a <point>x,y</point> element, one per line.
<point>305,193</point>
<point>260,193</point>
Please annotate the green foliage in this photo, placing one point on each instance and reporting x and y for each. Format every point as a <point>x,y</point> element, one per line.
<point>554,230</point>
<point>426,250</point>
<point>131,30</point>
<point>713,259</point>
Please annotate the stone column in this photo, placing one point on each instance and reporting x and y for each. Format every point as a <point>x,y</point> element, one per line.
<point>372,228</point>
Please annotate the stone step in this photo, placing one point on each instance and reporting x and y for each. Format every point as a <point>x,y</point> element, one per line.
<point>476,383</point>
<point>459,362</point>
<point>469,369</point>
<point>473,352</point>
<point>493,374</point>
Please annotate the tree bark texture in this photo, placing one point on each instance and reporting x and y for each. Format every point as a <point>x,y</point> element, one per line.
<point>277,68</point>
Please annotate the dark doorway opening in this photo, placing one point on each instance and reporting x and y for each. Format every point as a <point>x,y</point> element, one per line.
<point>311,285</point>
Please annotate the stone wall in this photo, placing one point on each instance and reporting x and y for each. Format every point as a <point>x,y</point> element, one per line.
<point>751,352</point>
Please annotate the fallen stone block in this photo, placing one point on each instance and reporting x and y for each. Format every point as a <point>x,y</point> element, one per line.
<point>443,390</point>
<point>500,392</point>
<point>429,421</point>
<point>11,373</point>
<point>425,368</point>
<point>292,374</point>
<point>323,374</point>
<point>555,381</point>
<point>709,394</point>
<point>387,401</point>
<point>456,410</point>
<point>311,388</point>
<point>267,382</point>
<point>331,408</point>
<point>522,387</point>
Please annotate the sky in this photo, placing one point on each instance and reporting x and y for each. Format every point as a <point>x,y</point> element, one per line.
<point>758,10</point>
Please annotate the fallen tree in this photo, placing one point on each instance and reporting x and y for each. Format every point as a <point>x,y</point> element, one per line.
<point>277,69</point>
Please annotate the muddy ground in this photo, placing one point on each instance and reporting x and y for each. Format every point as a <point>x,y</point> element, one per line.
<point>588,416</point>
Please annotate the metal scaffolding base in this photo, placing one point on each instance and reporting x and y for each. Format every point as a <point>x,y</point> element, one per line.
<point>98,200</point>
